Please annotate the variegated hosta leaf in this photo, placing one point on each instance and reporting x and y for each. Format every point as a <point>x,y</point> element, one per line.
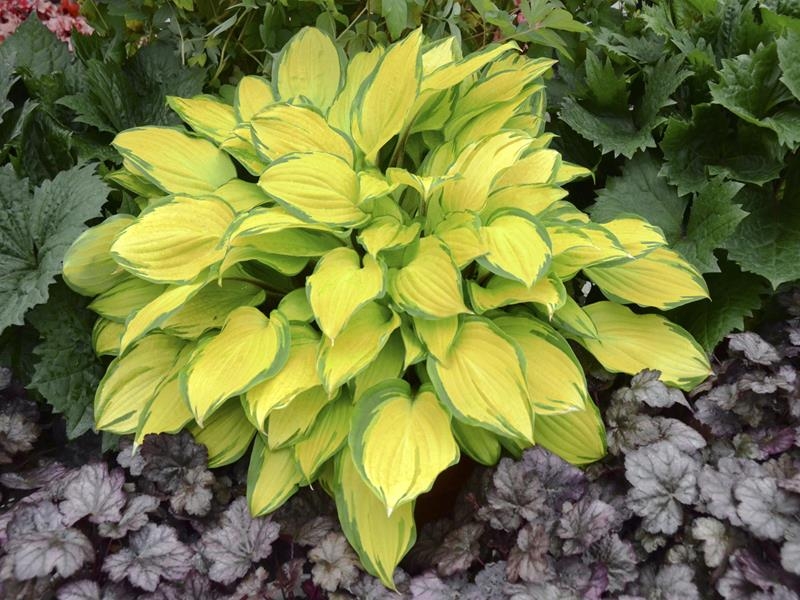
<point>517,247</point>
<point>438,335</point>
<point>272,478</point>
<point>207,115</point>
<point>125,298</point>
<point>482,380</point>
<point>380,540</point>
<point>480,444</point>
<point>226,434</point>
<point>309,67</point>
<point>325,438</point>
<point>660,278</point>
<point>106,336</point>
<point>388,364</point>
<point>292,421</point>
<point>548,293</point>
<point>249,349</point>
<point>253,94</point>
<point>628,343</point>
<point>579,437</point>
<point>635,234</point>
<point>400,444</point>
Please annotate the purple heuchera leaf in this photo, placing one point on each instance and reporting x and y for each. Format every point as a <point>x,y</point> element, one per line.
<point>529,560</point>
<point>134,517</point>
<point>39,543</point>
<point>713,534</point>
<point>583,523</point>
<point>238,542</point>
<point>335,563</point>
<point>94,492</point>
<point>716,486</point>
<point>767,511</point>
<point>428,586</point>
<point>194,493</point>
<point>459,549</point>
<point>516,495</point>
<point>663,478</point>
<point>754,348</point>
<point>312,532</point>
<point>619,558</point>
<point>598,584</point>
<point>646,388</point>
<point>560,480</point>
<point>154,553</point>
<point>91,590</point>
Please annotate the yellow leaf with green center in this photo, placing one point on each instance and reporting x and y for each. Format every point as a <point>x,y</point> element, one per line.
<point>89,268</point>
<point>282,129</point>
<point>253,94</point>
<point>298,375</point>
<point>227,434</point>
<point>132,380</point>
<point>387,233</point>
<point>627,343</point>
<point>482,381</point>
<point>207,115</point>
<point>317,187</point>
<point>126,297</point>
<point>106,336</point>
<point>249,349</point>
<point>358,69</point>
<point>272,478</point>
<point>242,196</point>
<point>291,422</point>
<point>429,285</point>
<point>356,346</point>
<point>556,383</point>
<point>309,67</point>
<point>437,334</point>
<point>175,241</point>
<point>381,541</point>
<point>387,365</point>
<point>532,199</point>
<point>381,107</point>
<point>537,167</point>
<point>517,247</point>
<point>461,234</point>
<point>295,306</point>
<point>549,293</point>
<point>660,278</point>
<point>451,73</point>
<point>602,247</point>
<point>340,285</point>
<point>479,444</point>
<point>636,235</point>
<point>400,444</point>
<point>579,437</point>
<point>325,438</point>
<point>573,320</point>
<point>174,161</point>
<point>414,350</point>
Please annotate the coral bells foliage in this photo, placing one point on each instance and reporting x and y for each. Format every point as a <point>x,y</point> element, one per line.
<point>366,266</point>
<point>61,18</point>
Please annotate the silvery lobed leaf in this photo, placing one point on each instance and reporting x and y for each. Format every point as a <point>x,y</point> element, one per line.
<point>646,388</point>
<point>193,494</point>
<point>458,550</point>
<point>763,382</point>
<point>94,493</point>
<point>238,542</point>
<point>619,558</point>
<point>515,495</point>
<point>716,486</point>
<point>195,586</point>
<point>537,591</point>
<point>754,348</point>
<point>561,481</point>
<point>583,523</point>
<point>91,590</point>
<point>32,479</point>
<point>790,552</point>
<point>673,582</point>
<point>489,583</point>
<point>663,478</point>
<point>428,586</point>
<point>130,458</point>
<point>335,563</point>
<point>154,553</point>
<point>18,427</point>
<point>529,560</point>
<point>714,537</point>
<point>170,457</point>
<point>766,510</point>
<point>134,517</point>
<point>312,532</point>
<point>748,574</point>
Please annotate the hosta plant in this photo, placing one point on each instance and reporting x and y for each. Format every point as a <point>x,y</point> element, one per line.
<point>367,266</point>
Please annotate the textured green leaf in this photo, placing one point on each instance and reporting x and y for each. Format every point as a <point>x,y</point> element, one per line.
<point>37,52</point>
<point>788,51</point>
<point>36,230</point>
<point>715,143</point>
<point>640,190</point>
<point>396,14</point>
<point>734,296</point>
<point>67,372</point>
<point>607,89</point>
<point>46,147</point>
<point>713,219</point>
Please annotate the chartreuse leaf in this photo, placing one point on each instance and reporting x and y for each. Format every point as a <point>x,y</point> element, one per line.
<point>249,349</point>
<point>227,434</point>
<point>381,541</point>
<point>414,350</point>
<point>381,108</point>
<point>661,278</point>
<point>165,411</point>
<point>356,346</point>
<point>482,380</point>
<point>315,186</point>
<point>207,115</point>
<point>387,233</point>
<point>272,477</point>
<point>437,334</point>
<point>389,364</point>
<point>209,307</point>
<point>242,196</point>
<point>106,336</point>
<point>175,161</point>
<point>298,375</point>
<point>579,437</point>
<point>549,293</point>
<point>358,69</point>
<point>326,437</point>
<point>131,380</point>
<point>517,247</point>
<point>636,235</point>
<point>339,286</point>
<point>574,320</point>
<point>429,284</point>
<point>295,306</point>
<point>532,199</point>
<point>253,94</point>
<point>309,66</point>
<point>124,298</point>
<point>452,73</point>
<point>627,343</point>
<point>538,167</point>
<point>88,267</point>
<point>480,444</point>
<point>461,234</point>
<point>400,444</point>
<point>175,241</point>
<point>281,129</point>
<point>556,383</point>
<point>603,246</point>
<point>292,421</point>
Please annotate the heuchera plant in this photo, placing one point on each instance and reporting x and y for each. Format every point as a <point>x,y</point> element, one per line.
<point>382,281</point>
